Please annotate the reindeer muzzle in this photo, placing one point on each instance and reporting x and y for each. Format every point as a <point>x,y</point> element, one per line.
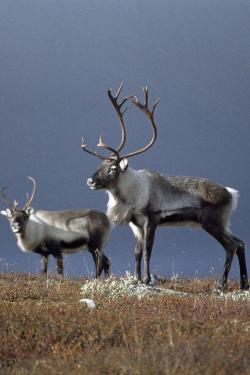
<point>93,185</point>
<point>16,228</point>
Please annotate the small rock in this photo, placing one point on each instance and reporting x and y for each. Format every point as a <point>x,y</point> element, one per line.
<point>89,302</point>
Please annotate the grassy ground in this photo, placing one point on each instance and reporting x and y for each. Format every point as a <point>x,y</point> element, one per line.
<point>45,330</point>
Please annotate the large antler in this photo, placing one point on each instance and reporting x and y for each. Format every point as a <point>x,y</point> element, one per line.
<point>101,143</point>
<point>12,205</point>
<point>120,113</point>
<point>150,114</point>
<point>118,107</point>
<point>30,199</point>
<point>145,109</point>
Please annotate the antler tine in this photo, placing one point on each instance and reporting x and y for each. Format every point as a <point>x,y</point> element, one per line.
<point>30,199</point>
<point>144,107</point>
<point>155,104</point>
<point>145,90</point>
<point>150,114</point>
<point>119,90</point>
<point>120,113</point>
<point>6,200</point>
<point>102,144</point>
<point>94,153</point>
<point>84,146</point>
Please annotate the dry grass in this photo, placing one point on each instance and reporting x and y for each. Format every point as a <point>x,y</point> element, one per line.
<point>45,330</point>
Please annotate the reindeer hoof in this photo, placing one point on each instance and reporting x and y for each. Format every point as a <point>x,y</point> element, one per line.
<point>244,285</point>
<point>147,280</point>
<point>221,287</point>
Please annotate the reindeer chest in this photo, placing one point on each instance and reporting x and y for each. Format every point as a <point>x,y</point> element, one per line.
<point>31,238</point>
<point>123,211</point>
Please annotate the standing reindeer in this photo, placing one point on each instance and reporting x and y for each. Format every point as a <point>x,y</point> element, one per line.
<point>57,232</point>
<point>145,199</point>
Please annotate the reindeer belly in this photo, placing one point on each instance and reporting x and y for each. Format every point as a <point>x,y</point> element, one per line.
<point>185,217</point>
<point>69,247</point>
<point>69,241</point>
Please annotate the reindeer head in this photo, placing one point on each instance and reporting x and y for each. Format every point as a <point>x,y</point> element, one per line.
<point>115,165</point>
<point>18,217</point>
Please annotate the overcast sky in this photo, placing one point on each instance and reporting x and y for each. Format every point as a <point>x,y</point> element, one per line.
<point>57,59</point>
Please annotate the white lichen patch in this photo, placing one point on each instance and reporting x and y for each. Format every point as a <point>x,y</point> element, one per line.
<point>115,288</point>
<point>238,295</point>
<point>127,286</point>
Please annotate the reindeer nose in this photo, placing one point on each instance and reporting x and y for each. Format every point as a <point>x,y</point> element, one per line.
<point>90,181</point>
<point>16,227</point>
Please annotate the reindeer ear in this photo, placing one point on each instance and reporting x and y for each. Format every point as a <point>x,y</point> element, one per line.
<point>29,210</point>
<point>6,213</point>
<point>123,164</point>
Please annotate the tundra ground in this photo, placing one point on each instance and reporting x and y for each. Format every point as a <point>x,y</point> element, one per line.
<point>45,330</point>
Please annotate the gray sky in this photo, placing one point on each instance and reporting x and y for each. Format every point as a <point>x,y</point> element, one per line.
<point>57,59</point>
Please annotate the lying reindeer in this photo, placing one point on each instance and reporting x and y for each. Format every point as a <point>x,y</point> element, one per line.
<point>59,232</point>
<point>146,199</point>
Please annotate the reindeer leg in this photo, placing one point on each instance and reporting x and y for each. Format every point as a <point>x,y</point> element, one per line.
<point>139,238</point>
<point>230,245</point>
<point>149,237</point>
<point>138,258</point>
<point>105,264</point>
<point>222,283</point>
<point>240,252</point>
<point>44,263</point>
<point>59,263</point>
<point>102,264</point>
<point>96,258</point>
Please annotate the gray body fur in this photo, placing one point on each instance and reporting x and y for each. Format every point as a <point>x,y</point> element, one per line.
<point>146,199</point>
<point>146,193</point>
<point>57,232</point>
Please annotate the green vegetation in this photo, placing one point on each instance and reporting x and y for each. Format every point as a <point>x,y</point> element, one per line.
<point>46,330</point>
